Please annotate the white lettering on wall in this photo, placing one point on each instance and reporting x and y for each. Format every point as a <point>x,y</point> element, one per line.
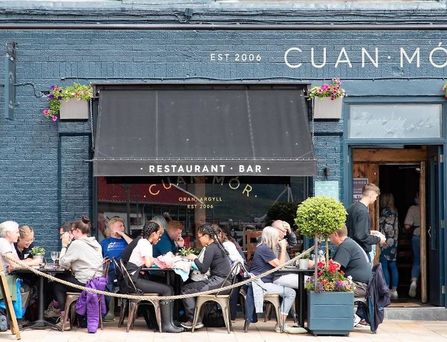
<point>312,58</point>
<point>416,54</point>
<point>286,57</point>
<point>374,61</point>
<point>343,54</point>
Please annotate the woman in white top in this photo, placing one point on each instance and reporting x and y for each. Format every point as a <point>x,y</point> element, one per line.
<point>141,256</point>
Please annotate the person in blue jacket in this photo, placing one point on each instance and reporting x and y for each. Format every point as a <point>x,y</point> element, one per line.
<point>172,241</point>
<point>112,247</point>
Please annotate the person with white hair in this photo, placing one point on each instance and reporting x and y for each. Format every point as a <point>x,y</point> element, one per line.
<point>9,234</point>
<point>264,260</point>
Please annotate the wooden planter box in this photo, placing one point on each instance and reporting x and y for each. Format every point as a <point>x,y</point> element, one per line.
<point>325,108</point>
<point>74,110</point>
<point>330,313</point>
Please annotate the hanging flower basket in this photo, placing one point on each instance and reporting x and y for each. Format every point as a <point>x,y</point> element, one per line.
<point>68,103</point>
<point>74,110</point>
<point>328,100</point>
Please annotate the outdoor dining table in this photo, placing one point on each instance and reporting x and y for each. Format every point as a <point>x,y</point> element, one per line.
<point>41,323</point>
<point>300,300</point>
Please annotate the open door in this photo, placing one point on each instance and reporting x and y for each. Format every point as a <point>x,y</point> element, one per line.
<point>434,196</point>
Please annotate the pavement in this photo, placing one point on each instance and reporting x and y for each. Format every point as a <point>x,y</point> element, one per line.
<point>389,330</point>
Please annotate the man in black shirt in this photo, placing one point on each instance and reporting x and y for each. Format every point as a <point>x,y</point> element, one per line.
<point>358,220</point>
<point>352,259</point>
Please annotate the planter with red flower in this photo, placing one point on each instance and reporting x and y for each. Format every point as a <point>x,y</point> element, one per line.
<point>328,100</point>
<point>330,292</point>
<point>68,103</point>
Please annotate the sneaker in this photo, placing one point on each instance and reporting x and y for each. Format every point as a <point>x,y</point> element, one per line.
<point>52,312</point>
<point>394,294</point>
<point>59,324</point>
<point>3,323</point>
<point>357,320</point>
<point>412,291</point>
<point>188,325</point>
<point>294,330</point>
<point>110,317</point>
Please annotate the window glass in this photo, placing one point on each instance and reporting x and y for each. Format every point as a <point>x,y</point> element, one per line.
<point>238,202</point>
<point>395,121</point>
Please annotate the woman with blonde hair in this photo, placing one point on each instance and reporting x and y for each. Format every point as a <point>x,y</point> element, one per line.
<point>264,260</point>
<point>389,226</point>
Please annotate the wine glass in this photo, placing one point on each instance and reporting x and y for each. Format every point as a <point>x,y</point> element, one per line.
<point>54,256</point>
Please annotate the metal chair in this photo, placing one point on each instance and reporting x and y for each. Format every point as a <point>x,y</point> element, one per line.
<point>127,285</point>
<point>221,299</point>
<point>133,304</point>
<point>72,297</point>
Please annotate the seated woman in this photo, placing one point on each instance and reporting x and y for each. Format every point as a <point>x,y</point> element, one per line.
<point>264,260</point>
<point>82,256</point>
<point>236,255</point>
<point>215,260</point>
<point>140,251</point>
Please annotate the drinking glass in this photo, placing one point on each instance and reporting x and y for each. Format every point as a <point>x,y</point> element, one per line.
<point>54,257</point>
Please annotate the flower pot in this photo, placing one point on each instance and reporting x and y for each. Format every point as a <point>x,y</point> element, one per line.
<point>303,264</point>
<point>330,313</point>
<point>39,258</point>
<point>74,109</point>
<point>325,108</point>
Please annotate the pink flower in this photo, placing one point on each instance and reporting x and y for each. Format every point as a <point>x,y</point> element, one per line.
<point>54,118</point>
<point>46,112</point>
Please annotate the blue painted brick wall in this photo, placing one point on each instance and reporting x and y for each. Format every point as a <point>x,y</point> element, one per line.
<point>38,187</point>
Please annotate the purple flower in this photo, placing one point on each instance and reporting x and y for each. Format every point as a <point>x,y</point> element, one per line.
<point>51,96</point>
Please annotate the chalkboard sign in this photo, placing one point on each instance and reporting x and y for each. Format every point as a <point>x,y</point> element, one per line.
<point>327,188</point>
<point>357,186</point>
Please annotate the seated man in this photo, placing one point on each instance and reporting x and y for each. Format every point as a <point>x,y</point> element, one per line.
<point>170,242</point>
<point>112,248</point>
<point>354,261</point>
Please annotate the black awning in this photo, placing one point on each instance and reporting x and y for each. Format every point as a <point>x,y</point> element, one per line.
<point>197,130</point>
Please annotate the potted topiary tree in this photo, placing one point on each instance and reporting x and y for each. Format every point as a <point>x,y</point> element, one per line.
<point>330,293</point>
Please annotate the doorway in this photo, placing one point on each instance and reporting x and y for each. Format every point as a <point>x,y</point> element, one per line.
<point>404,171</point>
<point>402,181</point>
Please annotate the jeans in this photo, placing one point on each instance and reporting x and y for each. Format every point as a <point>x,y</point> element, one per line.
<point>416,247</point>
<point>388,267</point>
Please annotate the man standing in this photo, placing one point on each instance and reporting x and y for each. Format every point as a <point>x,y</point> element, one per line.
<point>358,220</point>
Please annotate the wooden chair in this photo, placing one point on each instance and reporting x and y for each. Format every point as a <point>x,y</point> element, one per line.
<point>72,297</point>
<point>221,299</point>
<point>251,238</point>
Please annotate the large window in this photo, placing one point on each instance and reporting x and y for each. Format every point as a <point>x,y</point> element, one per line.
<point>235,201</point>
<point>395,121</point>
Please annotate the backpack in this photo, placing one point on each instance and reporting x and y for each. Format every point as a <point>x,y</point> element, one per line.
<point>124,279</point>
<point>212,315</point>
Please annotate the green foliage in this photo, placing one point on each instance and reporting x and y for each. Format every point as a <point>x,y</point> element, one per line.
<point>284,211</point>
<point>190,250</point>
<point>320,216</point>
<point>38,250</point>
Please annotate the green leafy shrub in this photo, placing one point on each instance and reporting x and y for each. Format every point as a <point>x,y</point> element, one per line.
<point>320,216</point>
<point>38,250</point>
